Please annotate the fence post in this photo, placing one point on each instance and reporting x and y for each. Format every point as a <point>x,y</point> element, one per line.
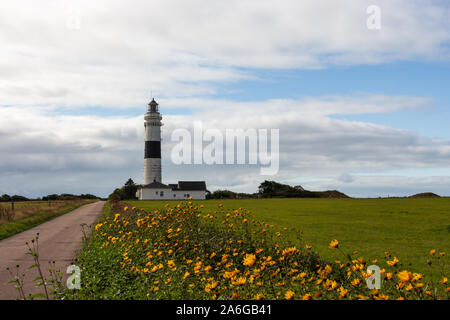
<point>12,206</point>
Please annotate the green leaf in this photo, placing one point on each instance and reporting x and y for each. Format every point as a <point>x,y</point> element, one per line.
<point>36,295</point>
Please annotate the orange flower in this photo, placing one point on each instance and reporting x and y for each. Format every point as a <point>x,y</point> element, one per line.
<point>307,297</point>
<point>333,244</point>
<point>356,282</point>
<point>249,260</point>
<point>289,295</point>
<point>404,276</point>
<point>342,292</point>
<point>393,262</point>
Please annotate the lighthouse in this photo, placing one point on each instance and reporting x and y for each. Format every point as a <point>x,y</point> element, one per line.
<point>152,154</point>
<point>153,188</point>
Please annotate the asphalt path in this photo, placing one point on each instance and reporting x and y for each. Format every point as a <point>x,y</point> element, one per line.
<point>59,240</point>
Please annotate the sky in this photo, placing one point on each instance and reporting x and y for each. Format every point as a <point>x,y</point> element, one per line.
<point>361,110</point>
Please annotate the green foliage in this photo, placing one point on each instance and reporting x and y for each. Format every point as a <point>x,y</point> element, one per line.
<point>409,228</point>
<point>184,251</point>
<point>68,196</point>
<point>127,192</point>
<point>272,189</point>
<point>5,198</point>
<point>227,194</point>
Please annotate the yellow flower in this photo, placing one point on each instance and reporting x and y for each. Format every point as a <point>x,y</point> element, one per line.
<point>342,292</point>
<point>416,276</point>
<point>444,280</point>
<point>98,226</point>
<point>186,275</point>
<point>333,244</point>
<point>211,286</point>
<point>249,260</point>
<point>125,208</point>
<point>170,264</point>
<point>393,262</point>
<point>289,295</point>
<point>404,276</point>
<point>239,281</point>
<point>356,282</point>
<point>259,296</point>
<point>290,251</point>
<point>381,297</point>
<point>307,297</point>
<point>432,252</point>
<point>208,268</point>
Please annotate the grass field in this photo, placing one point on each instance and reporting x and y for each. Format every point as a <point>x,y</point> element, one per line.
<point>218,250</point>
<point>28,214</point>
<point>408,228</point>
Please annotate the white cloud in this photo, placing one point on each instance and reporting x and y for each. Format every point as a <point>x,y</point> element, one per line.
<point>183,51</point>
<point>89,151</point>
<point>122,50</point>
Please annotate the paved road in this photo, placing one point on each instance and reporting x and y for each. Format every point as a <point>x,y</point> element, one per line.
<point>59,240</point>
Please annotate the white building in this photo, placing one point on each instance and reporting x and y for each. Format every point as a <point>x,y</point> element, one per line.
<point>153,188</point>
<point>183,190</point>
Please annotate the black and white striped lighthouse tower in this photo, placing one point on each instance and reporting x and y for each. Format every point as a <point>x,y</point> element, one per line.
<point>152,158</point>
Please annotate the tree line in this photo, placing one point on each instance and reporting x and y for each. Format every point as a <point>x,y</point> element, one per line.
<point>63,196</point>
<point>267,189</point>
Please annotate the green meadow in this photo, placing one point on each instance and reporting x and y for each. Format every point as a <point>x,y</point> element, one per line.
<point>407,228</point>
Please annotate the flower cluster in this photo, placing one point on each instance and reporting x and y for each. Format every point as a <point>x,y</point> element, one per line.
<point>183,252</point>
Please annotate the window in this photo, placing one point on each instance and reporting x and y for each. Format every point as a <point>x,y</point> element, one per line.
<point>156,192</point>
<point>174,195</point>
<point>161,193</point>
